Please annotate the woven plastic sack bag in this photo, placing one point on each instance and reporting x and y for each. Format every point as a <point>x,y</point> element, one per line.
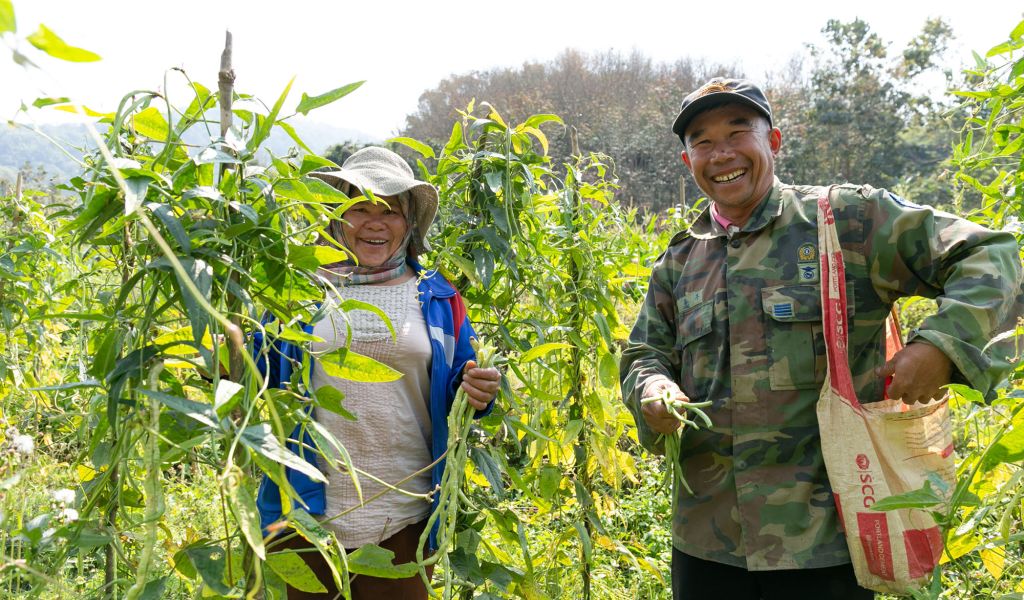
<point>876,450</point>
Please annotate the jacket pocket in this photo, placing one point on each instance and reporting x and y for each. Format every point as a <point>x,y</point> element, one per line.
<point>693,326</point>
<point>796,344</point>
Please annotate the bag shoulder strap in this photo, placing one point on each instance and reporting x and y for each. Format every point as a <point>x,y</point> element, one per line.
<point>833,302</point>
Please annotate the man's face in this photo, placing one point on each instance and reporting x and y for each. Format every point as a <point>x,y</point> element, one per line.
<point>730,150</point>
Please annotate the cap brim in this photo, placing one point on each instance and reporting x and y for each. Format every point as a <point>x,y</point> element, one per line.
<point>710,101</point>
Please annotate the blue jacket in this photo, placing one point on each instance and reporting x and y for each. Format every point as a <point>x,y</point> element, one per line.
<point>449,331</point>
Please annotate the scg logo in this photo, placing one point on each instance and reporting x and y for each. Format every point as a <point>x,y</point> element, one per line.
<point>866,489</point>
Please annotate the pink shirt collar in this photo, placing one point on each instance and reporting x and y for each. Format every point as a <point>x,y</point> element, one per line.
<point>725,223</point>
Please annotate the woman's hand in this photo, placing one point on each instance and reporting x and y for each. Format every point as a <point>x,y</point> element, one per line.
<point>480,385</point>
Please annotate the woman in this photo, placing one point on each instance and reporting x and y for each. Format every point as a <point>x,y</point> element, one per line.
<point>401,426</point>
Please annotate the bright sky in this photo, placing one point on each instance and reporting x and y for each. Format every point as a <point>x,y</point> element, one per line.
<point>405,47</point>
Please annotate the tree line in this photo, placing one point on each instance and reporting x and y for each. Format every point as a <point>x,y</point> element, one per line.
<point>852,110</point>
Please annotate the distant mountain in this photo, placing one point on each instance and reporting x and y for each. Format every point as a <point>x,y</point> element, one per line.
<point>21,146</point>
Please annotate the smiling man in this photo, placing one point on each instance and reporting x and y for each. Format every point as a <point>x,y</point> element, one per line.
<point>733,316</point>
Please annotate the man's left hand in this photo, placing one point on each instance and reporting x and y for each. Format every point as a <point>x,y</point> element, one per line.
<point>918,373</point>
<point>480,385</point>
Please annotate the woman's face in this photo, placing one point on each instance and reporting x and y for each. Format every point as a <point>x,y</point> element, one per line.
<point>374,231</point>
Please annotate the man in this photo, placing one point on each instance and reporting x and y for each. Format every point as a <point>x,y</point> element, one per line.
<point>733,315</point>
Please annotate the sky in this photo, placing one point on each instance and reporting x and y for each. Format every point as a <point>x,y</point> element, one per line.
<point>402,48</point>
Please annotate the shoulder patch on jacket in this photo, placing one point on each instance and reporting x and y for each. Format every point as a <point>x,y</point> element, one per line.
<point>903,202</point>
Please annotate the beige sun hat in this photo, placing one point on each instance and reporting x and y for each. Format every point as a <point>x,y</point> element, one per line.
<point>384,173</point>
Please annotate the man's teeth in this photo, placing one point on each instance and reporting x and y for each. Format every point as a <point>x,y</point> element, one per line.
<point>729,176</point>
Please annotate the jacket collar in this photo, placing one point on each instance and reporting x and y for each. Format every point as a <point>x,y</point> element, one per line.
<point>706,227</point>
<point>431,281</point>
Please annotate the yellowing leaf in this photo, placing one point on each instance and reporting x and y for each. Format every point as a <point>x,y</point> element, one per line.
<point>50,43</point>
<point>538,351</point>
<point>537,133</point>
<point>994,559</point>
<point>960,546</point>
<point>150,123</point>
<point>7,21</point>
<point>353,366</point>
<point>86,473</point>
<point>79,109</point>
<point>635,270</point>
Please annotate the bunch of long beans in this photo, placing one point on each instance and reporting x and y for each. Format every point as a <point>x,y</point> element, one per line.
<point>680,409</point>
<point>450,490</point>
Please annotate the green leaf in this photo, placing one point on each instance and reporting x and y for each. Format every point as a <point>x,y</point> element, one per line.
<point>170,220</point>
<point>200,412</point>
<point>242,501</point>
<point>375,561</point>
<point>608,370</point>
<point>297,335</point>
<point>74,385</point>
<point>261,439</point>
<point>311,162</point>
<point>154,590</point>
<point>309,103</point>
<point>92,538</point>
<point>346,364</point>
<point>295,136</point>
<point>228,394</point>
<point>330,398</point>
<point>311,257</point>
<point>922,498</point>
<point>350,305</point>
<point>41,102</point>
<point>490,469</point>
<point>151,123</point>
<point>550,479</point>
<point>454,140</point>
<point>423,149</point>
<point>1009,448</point>
<point>290,567</point>
<point>1018,31</point>
<point>536,120</point>
<point>335,451</point>
<point>538,351</point>
<point>263,125</point>
<point>7,21</point>
<point>135,193</point>
<point>201,275</point>
<point>325,543</point>
<point>50,43</point>
<point>588,547</point>
<point>209,562</point>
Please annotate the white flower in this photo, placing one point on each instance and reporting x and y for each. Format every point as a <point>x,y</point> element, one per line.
<point>68,515</point>
<point>24,444</point>
<point>64,496</point>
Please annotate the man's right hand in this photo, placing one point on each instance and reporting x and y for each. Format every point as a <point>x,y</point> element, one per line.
<point>655,414</point>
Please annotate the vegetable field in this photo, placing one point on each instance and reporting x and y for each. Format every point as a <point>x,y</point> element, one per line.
<point>136,426</point>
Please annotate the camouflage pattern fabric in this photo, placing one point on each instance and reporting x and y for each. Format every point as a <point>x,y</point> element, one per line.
<point>737,320</point>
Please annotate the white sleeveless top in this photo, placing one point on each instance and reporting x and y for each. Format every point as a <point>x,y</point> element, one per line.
<point>391,438</point>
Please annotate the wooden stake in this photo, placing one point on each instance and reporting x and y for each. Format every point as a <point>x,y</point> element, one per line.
<point>226,84</point>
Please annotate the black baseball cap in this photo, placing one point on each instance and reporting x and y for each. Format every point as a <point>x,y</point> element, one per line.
<point>720,90</point>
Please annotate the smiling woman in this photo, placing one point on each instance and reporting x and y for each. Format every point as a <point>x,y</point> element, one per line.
<point>400,431</point>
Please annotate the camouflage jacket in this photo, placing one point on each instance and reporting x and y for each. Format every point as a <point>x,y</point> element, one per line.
<point>737,320</point>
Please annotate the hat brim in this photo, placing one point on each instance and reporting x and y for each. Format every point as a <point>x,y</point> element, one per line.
<point>423,196</point>
<point>708,102</point>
